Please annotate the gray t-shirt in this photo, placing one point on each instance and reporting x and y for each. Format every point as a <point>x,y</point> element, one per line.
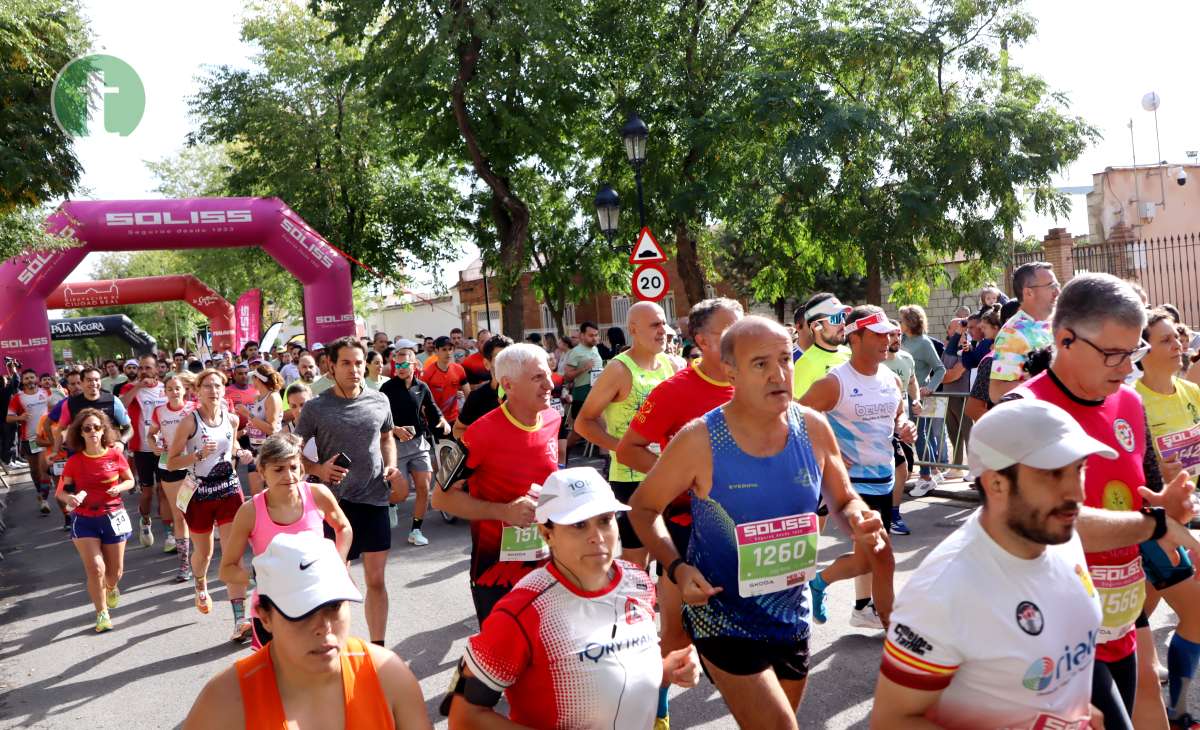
<point>352,426</point>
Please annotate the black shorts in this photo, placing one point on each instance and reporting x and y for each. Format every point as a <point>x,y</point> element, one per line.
<point>881,503</point>
<point>744,657</point>
<point>576,405</point>
<point>485,599</point>
<point>904,453</point>
<point>624,491</point>
<point>145,465</point>
<point>178,475</point>
<point>372,528</point>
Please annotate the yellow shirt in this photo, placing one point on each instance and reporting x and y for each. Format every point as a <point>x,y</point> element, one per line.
<point>1171,413</point>
<point>815,364</point>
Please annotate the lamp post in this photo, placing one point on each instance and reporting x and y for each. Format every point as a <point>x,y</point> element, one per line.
<point>608,209</point>
<point>634,133</point>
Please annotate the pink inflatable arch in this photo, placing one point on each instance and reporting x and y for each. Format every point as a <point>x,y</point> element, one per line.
<point>145,289</point>
<point>131,225</point>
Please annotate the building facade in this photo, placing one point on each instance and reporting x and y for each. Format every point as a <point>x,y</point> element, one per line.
<point>606,309</point>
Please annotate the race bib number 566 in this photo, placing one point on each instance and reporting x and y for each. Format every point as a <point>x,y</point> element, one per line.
<point>776,554</point>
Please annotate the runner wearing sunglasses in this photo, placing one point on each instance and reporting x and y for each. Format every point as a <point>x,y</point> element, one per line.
<point>93,480</point>
<point>826,318</point>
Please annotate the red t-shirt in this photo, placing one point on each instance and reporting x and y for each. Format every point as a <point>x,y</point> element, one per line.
<point>236,396</point>
<point>476,368</point>
<point>507,458</point>
<point>686,395</point>
<point>445,384</point>
<point>676,401</point>
<point>1119,422</point>
<point>95,475</point>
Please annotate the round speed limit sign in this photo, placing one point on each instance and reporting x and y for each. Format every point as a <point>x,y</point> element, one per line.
<point>650,283</point>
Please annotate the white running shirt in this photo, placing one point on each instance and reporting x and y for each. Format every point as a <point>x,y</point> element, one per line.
<point>863,421</point>
<point>1010,642</point>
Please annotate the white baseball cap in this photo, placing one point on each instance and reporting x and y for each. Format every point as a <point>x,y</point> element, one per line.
<point>180,351</point>
<point>1030,432</point>
<point>825,308</point>
<point>131,363</point>
<point>574,495</point>
<point>317,346</point>
<point>302,572</point>
<point>403,344</point>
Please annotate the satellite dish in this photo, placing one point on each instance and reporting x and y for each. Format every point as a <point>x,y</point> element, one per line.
<point>1150,101</point>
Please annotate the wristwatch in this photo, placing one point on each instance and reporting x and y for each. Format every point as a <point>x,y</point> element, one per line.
<point>1159,515</point>
<point>673,567</point>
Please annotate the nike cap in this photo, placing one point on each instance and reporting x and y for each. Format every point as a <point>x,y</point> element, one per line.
<point>303,572</point>
<point>574,495</point>
<point>1030,432</point>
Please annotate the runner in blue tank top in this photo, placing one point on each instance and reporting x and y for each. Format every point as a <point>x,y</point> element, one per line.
<point>755,469</point>
<point>865,406</point>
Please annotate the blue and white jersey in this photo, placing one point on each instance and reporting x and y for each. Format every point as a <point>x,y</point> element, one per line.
<point>863,421</point>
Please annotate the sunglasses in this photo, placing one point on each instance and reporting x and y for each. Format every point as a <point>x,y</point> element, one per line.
<point>91,428</point>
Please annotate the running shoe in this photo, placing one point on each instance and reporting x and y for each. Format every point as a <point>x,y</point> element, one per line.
<point>242,631</point>
<point>184,575</point>
<point>866,618</point>
<point>43,505</point>
<point>416,538</point>
<point>66,523</point>
<point>899,527</point>
<point>1185,722</point>
<point>169,544</point>
<point>819,614</point>
<point>103,622</point>
<point>923,487</point>
<point>113,598</point>
<point>203,602</point>
<point>146,536</point>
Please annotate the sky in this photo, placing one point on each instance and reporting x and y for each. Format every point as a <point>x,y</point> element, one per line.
<point>1104,54</point>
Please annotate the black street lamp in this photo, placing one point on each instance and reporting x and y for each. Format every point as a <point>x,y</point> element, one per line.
<point>634,133</point>
<point>608,209</point>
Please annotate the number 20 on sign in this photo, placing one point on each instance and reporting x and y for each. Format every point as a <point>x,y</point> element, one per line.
<point>650,282</point>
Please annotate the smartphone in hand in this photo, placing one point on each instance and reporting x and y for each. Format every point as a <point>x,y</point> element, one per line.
<point>342,460</point>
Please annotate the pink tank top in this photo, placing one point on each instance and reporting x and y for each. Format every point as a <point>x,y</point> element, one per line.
<point>265,529</point>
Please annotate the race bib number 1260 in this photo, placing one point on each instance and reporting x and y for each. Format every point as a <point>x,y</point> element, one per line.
<point>776,554</point>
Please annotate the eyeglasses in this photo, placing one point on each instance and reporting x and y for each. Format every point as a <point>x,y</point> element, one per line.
<point>1114,358</point>
<point>1053,285</point>
<point>91,428</point>
<point>835,319</point>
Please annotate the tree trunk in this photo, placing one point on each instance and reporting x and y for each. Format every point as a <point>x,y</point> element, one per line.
<point>509,212</point>
<point>874,279</point>
<point>688,262</point>
<point>780,304</point>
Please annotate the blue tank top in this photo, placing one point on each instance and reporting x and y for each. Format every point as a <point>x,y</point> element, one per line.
<point>747,488</point>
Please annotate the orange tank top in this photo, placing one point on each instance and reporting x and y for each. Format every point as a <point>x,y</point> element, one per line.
<point>366,705</point>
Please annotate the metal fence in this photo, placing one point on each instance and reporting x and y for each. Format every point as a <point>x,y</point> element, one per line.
<point>1167,268</point>
<point>943,429</point>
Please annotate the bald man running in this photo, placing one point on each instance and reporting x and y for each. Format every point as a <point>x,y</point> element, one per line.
<point>615,399</point>
<point>755,468</point>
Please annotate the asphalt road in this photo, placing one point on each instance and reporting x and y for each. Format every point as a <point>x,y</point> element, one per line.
<point>55,672</point>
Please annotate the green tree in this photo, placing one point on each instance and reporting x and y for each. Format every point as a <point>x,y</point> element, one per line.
<point>37,159</point>
<point>901,138</point>
<point>496,88</point>
<point>301,128</point>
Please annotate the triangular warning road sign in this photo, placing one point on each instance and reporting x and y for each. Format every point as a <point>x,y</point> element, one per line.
<point>647,249</point>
